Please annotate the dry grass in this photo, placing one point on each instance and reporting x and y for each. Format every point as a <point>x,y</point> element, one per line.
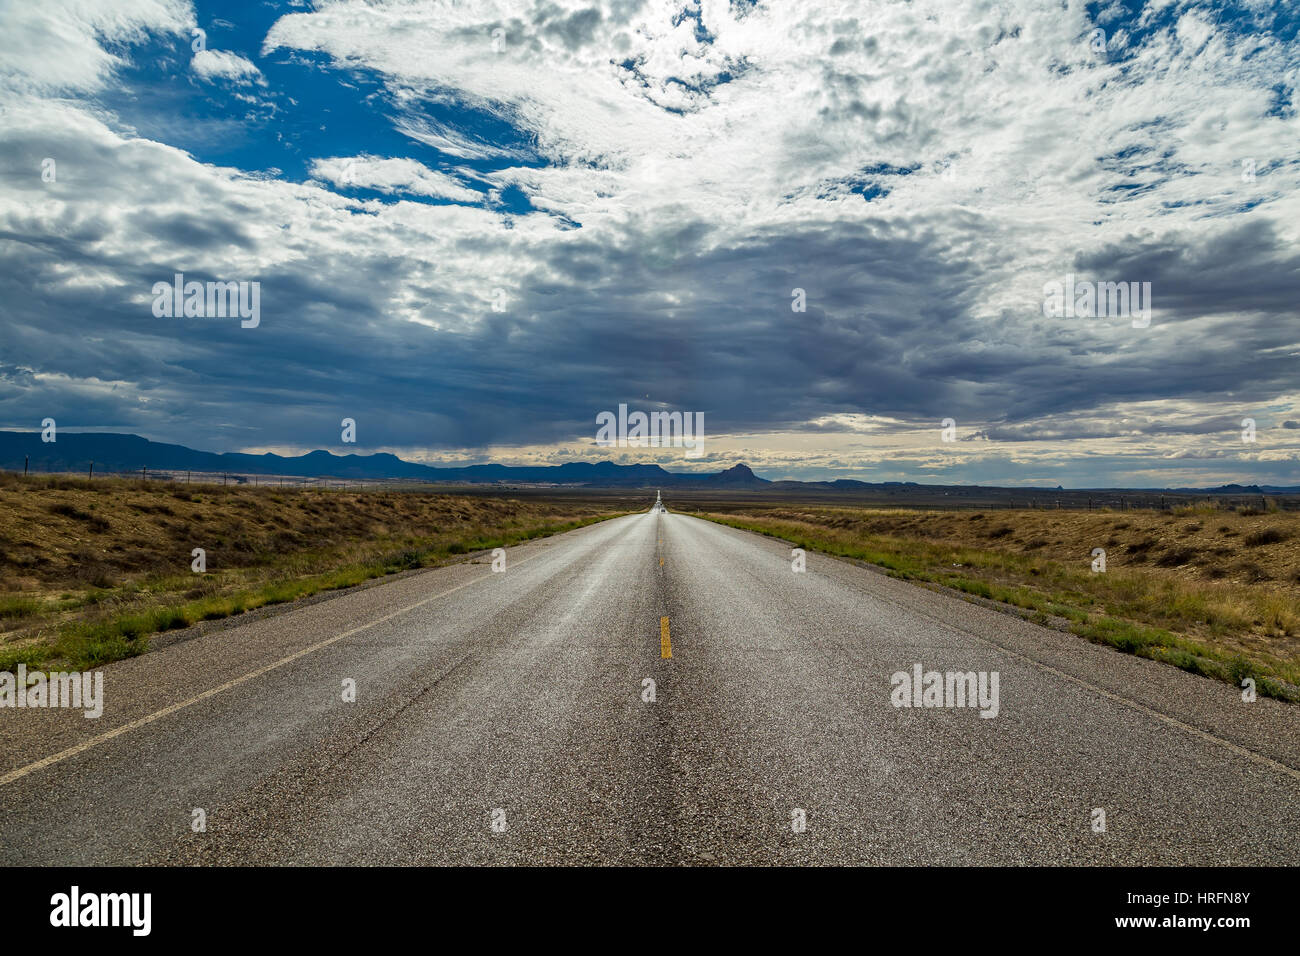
<point>1217,592</point>
<point>89,569</point>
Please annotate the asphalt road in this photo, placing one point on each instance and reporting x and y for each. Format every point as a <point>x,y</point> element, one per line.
<point>518,699</point>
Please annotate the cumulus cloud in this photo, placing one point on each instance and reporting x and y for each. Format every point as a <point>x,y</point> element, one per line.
<point>224,65</point>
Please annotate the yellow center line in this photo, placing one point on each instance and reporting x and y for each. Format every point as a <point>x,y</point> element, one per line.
<point>665,642</point>
<point>85,745</point>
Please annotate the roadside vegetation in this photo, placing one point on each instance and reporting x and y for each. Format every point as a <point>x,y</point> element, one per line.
<point>1211,590</point>
<point>89,570</point>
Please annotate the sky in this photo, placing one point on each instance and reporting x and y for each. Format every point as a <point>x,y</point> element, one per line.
<point>828,227</point>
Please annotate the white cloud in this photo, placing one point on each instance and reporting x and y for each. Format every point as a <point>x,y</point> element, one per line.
<point>392,176</point>
<point>60,45</point>
<point>224,65</point>
<point>453,142</point>
<point>819,93</point>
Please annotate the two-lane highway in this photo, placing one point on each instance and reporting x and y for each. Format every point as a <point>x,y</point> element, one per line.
<point>652,689</point>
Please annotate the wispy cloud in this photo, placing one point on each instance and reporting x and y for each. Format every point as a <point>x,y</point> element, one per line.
<point>392,176</point>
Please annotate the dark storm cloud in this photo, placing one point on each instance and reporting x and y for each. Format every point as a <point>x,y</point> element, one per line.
<point>889,330</point>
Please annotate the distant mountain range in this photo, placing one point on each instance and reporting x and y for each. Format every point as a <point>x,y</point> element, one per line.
<point>74,451</point>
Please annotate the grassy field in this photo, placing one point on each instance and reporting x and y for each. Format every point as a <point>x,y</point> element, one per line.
<point>89,570</point>
<point>1212,591</point>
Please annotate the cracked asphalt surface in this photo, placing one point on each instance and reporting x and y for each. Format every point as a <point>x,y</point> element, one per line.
<point>523,692</point>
